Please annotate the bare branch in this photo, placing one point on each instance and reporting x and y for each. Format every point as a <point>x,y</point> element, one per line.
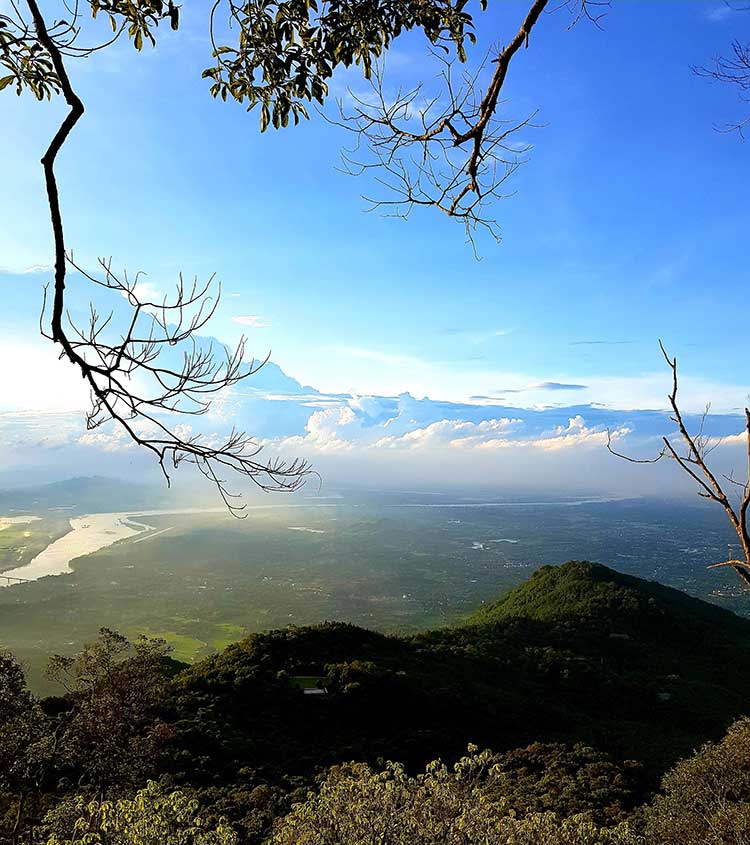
<point>693,461</point>
<point>628,458</point>
<point>735,71</point>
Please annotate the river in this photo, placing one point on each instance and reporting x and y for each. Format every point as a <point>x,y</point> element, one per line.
<point>88,534</point>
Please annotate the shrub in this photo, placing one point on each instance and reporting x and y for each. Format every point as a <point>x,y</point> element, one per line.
<point>357,806</point>
<point>150,818</point>
<point>706,798</point>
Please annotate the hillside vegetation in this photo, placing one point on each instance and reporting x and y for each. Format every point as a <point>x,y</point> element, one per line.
<point>584,592</point>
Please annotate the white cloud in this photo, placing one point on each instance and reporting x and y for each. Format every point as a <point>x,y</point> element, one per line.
<point>33,378</point>
<point>115,441</point>
<point>37,268</point>
<point>382,430</point>
<point>720,13</point>
<point>728,440</point>
<point>371,406</point>
<point>253,321</point>
<point>451,433</point>
<point>292,397</point>
<point>33,430</point>
<point>25,270</point>
<point>145,291</point>
<point>498,434</point>
<point>327,430</point>
<point>577,433</point>
<point>351,427</point>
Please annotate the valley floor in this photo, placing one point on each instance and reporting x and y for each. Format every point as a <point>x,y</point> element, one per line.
<point>387,561</point>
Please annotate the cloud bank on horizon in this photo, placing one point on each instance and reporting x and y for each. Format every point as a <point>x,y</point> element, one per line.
<point>347,436</point>
<point>381,415</point>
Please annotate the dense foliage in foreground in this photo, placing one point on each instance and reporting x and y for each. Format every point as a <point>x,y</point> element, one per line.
<point>588,684</point>
<point>705,801</point>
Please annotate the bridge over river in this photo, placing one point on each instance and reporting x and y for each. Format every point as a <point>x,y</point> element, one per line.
<point>11,579</point>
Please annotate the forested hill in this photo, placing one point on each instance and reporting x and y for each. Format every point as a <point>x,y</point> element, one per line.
<point>589,593</point>
<point>577,653</point>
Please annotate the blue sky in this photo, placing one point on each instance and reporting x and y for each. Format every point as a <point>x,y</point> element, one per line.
<point>628,224</point>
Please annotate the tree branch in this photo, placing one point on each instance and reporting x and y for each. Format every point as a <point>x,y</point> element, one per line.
<point>450,152</point>
<point>695,465</point>
<point>176,390</point>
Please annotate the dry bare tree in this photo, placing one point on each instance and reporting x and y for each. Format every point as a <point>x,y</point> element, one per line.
<point>130,383</point>
<point>691,452</point>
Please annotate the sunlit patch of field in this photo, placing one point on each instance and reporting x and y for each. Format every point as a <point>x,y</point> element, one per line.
<point>184,647</point>
<point>229,634</point>
<point>7,521</point>
<point>188,648</point>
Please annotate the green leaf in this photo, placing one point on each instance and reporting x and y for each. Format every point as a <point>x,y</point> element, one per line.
<point>5,81</point>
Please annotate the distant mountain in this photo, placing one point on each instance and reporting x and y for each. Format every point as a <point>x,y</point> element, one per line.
<point>85,494</point>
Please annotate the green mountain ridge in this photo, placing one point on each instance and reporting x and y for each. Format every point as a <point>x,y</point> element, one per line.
<point>579,653</point>
<point>587,592</point>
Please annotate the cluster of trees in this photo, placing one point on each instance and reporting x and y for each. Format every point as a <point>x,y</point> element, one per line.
<point>356,805</point>
<point>705,800</point>
<point>150,817</point>
<point>105,733</point>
